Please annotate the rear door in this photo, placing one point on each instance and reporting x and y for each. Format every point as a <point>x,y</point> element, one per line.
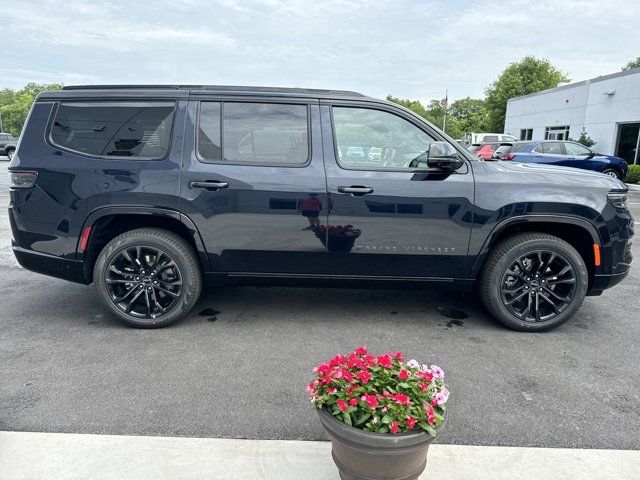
<point>386,218</point>
<point>253,183</point>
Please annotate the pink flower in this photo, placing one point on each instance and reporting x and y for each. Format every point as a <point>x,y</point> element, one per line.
<point>401,399</point>
<point>427,409</point>
<point>442,396</point>
<point>394,427</point>
<point>413,364</point>
<point>403,375</point>
<point>342,405</point>
<point>385,361</point>
<point>371,400</point>
<point>411,422</point>
<point>361,350</point>
<point>437,371</point>
<point>423,386</point>
<point>398,356</point>
<point>353,401</point>
<point>363,375</point>
<point>331,390</point>
<point>355,362</point>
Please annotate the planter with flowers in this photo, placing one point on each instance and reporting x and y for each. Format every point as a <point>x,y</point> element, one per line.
<point>338,238</point>
<point>380,412</point>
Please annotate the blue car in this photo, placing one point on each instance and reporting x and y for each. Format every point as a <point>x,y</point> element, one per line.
<point>566,154</point>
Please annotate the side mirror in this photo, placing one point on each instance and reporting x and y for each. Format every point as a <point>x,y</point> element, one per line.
<point>443,156</point>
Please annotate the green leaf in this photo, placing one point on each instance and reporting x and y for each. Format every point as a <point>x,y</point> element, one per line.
<point>347,418</point>
<point>362,418</point>
<point>430,430</point>
<point>386,419</point>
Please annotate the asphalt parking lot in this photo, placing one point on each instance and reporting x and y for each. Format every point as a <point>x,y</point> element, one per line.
<point>237,367</point>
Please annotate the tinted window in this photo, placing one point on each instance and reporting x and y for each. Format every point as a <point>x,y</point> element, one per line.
<point>254,133</point>
<point>490,138</point>
<point>120,129</point>
<point>396,141</point>
<point>576,149</point>
<point>473,148</point>
<point>552,148</point>
<point>504,149</point>
<point>520,147</point>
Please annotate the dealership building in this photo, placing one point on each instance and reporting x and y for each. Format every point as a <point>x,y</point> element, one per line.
<point>606,108</point>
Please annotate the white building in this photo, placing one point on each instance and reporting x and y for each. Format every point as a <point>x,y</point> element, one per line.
<point>606,108</point>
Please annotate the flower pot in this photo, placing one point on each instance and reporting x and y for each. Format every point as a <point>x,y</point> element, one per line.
<point>362,455</point>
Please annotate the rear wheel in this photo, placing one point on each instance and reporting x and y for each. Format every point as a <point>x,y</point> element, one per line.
<point>10,154</point>
<point>611,172</point>
<point>148,278</point>
<point>533,282</point>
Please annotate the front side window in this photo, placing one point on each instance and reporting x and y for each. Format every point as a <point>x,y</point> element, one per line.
<point>253,133</point>
<point>375,139</point>
<point>114,129</point>
<point>576,149</point>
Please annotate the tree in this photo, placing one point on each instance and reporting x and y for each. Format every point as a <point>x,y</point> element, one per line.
<point>434,113</point>
<point>632,64</point>
<point>527,76</point>
<point>586,140</point>
<point>470,114</point>
<point>15,105</point>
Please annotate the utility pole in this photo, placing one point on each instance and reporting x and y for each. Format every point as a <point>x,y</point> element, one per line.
<point>446,107</point>
<point>1,122</point>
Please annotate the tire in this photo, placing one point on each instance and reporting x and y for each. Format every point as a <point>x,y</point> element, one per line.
<point>563,282</point>
<point>10,154</point>
<point>612,173</point>
<point>163,266</point>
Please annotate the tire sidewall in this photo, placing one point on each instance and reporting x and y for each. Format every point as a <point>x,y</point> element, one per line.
<point>190,291</point>
<point>495,279</point>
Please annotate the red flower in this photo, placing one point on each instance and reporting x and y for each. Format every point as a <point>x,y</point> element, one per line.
<point>371,400</point>
<point>355,362</point>
<point>337,360</point>
<point>401,399</point>
<point>353,401</point>
<point>322,369</point>
<point>350,391</point>
<point>411,422</point>
<point>361,350</point>
<point>403,375</point>
<point>363,375</point>
<point>370,360</point>
<point>331,390</point>
<point>426,375</point>
<point>394,427</point>
<point>398,356</point>
<point>431,419</point>
<point>342,405</point>
<point>385,361</point>
<point>423,386</point>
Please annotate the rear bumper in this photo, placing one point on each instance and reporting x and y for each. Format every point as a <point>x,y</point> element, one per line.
<point>53,266</point>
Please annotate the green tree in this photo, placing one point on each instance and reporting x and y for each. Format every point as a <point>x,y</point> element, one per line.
<point>586,140</point>
<point>632,64</point>
<point>527,76</point>
<point>434,113</point>
<point>15,105</point>
<point>470,114</point>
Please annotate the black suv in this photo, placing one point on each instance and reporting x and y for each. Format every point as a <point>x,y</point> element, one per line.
<point>7,144</point>
<point>148,190</point>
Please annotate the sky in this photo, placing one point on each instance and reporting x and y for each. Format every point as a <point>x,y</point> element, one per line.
<point>409,49</point>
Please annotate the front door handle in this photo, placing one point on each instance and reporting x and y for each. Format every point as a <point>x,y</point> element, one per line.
<point>209,185</point>
<point>356,190</point>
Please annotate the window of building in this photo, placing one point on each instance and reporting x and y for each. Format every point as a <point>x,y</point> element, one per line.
<point>369,138</point>
<point>526,134</point>
<point>114,129</point>
<point>556,133</point>
<point>253,133</point>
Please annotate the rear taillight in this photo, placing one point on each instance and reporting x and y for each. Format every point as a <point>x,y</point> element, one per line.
<point>22,180</point>
<point>508,156</point>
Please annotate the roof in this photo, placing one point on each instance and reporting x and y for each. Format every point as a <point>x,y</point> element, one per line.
<point>186,90</point>
<point>602,78</point>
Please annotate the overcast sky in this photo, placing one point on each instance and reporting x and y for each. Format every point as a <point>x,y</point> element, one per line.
<point>410,49</point>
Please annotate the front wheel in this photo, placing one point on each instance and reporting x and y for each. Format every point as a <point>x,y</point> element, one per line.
<point>533,282</point>
<point>10,154</point>
<point>148,277</point>
<point>611,173</point>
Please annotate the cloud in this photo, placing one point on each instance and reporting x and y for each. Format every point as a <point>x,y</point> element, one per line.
<point>405,48</point>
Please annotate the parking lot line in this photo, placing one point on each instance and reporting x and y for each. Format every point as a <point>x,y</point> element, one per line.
<point>26,455</point>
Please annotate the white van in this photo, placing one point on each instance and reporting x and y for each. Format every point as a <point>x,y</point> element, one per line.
<point>469,138</point>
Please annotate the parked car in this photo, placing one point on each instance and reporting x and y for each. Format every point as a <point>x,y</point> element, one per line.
<point>7,144</point>
<point>487,150</point>
<point>502,151</point>
<point>471,138</point>
<point>567,154</point>
<point>140,191</point>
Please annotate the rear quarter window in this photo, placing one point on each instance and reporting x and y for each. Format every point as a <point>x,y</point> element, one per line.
<point>520,147</point>
<point>114,129</point>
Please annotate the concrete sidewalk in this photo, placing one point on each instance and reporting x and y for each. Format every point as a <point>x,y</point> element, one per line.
<point>59,456</point>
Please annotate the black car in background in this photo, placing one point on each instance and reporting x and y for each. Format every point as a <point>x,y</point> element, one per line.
<point>148,191</point>
<point>7,144</point>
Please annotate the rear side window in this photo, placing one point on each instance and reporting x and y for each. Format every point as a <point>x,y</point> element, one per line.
<point>520,147</point>
<point>114,129</point>
<point>253,133</point>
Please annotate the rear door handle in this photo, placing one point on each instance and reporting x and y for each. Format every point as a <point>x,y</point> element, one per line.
<point>356,190</point>
<point>209,185</point>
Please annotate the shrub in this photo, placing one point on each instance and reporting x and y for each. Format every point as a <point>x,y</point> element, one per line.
<point>634,174</point>
<point>380,393</point>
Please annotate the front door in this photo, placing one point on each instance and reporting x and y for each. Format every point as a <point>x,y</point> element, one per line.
<point>387,217</point>
<point>253,183</point>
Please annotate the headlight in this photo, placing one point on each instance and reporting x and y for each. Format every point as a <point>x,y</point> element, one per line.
<point>618,199</point>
